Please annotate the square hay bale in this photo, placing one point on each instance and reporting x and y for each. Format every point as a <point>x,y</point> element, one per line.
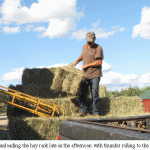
<point>67,82</point>
<point>70,104</point>
<point>58,79</point>
<point>42,91</point>
<point>38,76</point>
<point>26,76</point>
<point>71,69</point>
<point>102,91</point>
<point>34,128</point>
<point>70,80</point>
<point>32,89</point>
<point>79,85</point>
<point>17,87</point>
<point>66,103</point>
<point>121,106</point>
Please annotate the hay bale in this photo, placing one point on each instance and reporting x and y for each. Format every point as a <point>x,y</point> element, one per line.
<point>67,82</point>
<point>102,91</point>
<point>121,106</point>
<point>58,79</point>
<point>70,104</point>
<point>42,91</point>
<point>16,87</point>
<point>71,69</point>
<point>26,76</point>
<point>34,128</point>
<point>38,76</point>
<point>79,85</point>
<point>32,89</point>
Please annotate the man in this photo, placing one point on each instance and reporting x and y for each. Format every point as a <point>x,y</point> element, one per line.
<point>92,56</point>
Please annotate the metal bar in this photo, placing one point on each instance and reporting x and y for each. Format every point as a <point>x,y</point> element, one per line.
<point>34,101</point>
<point>114,126</point>
<point>45,111</point>
<point>53,111</point>
<point>29,100</point>
<point>39,103</point>
<point>11,94</point>
<point>14,97</point>
<point>18,92</point>
<point>27,109</point>
<point>36,108</point>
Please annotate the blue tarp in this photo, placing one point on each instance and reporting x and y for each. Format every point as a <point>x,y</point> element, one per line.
<point>145,95</point>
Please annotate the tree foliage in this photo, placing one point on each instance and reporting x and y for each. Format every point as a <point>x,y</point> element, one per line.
<point>131,91</point>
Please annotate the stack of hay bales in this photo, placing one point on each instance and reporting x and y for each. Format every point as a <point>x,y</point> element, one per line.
<point>51,83</point>
<point>54,82</point>
<point>62,86</point>
<point>44,128</point>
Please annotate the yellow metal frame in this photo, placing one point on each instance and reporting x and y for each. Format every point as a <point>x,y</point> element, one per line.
<point>41,107</point>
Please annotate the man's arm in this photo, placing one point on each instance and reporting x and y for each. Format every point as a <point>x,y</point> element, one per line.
<point>78,60</point>
<point>93,64</point>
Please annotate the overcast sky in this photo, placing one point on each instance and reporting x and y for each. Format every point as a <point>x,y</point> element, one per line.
<point>48,33</point>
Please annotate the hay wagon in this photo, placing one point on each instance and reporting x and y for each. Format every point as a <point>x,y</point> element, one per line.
<point>125,128</point>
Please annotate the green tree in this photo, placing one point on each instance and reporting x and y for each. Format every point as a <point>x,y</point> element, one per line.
<point>129,91</point>
<point>108,93</point>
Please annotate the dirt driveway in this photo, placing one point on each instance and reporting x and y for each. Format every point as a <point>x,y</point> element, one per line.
<point>4,135</point>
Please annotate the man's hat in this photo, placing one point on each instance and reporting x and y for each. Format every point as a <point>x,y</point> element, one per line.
<point>90,37</point>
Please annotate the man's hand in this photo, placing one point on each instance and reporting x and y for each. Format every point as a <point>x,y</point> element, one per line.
<point>78,60</point>
<point>75,63</point>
